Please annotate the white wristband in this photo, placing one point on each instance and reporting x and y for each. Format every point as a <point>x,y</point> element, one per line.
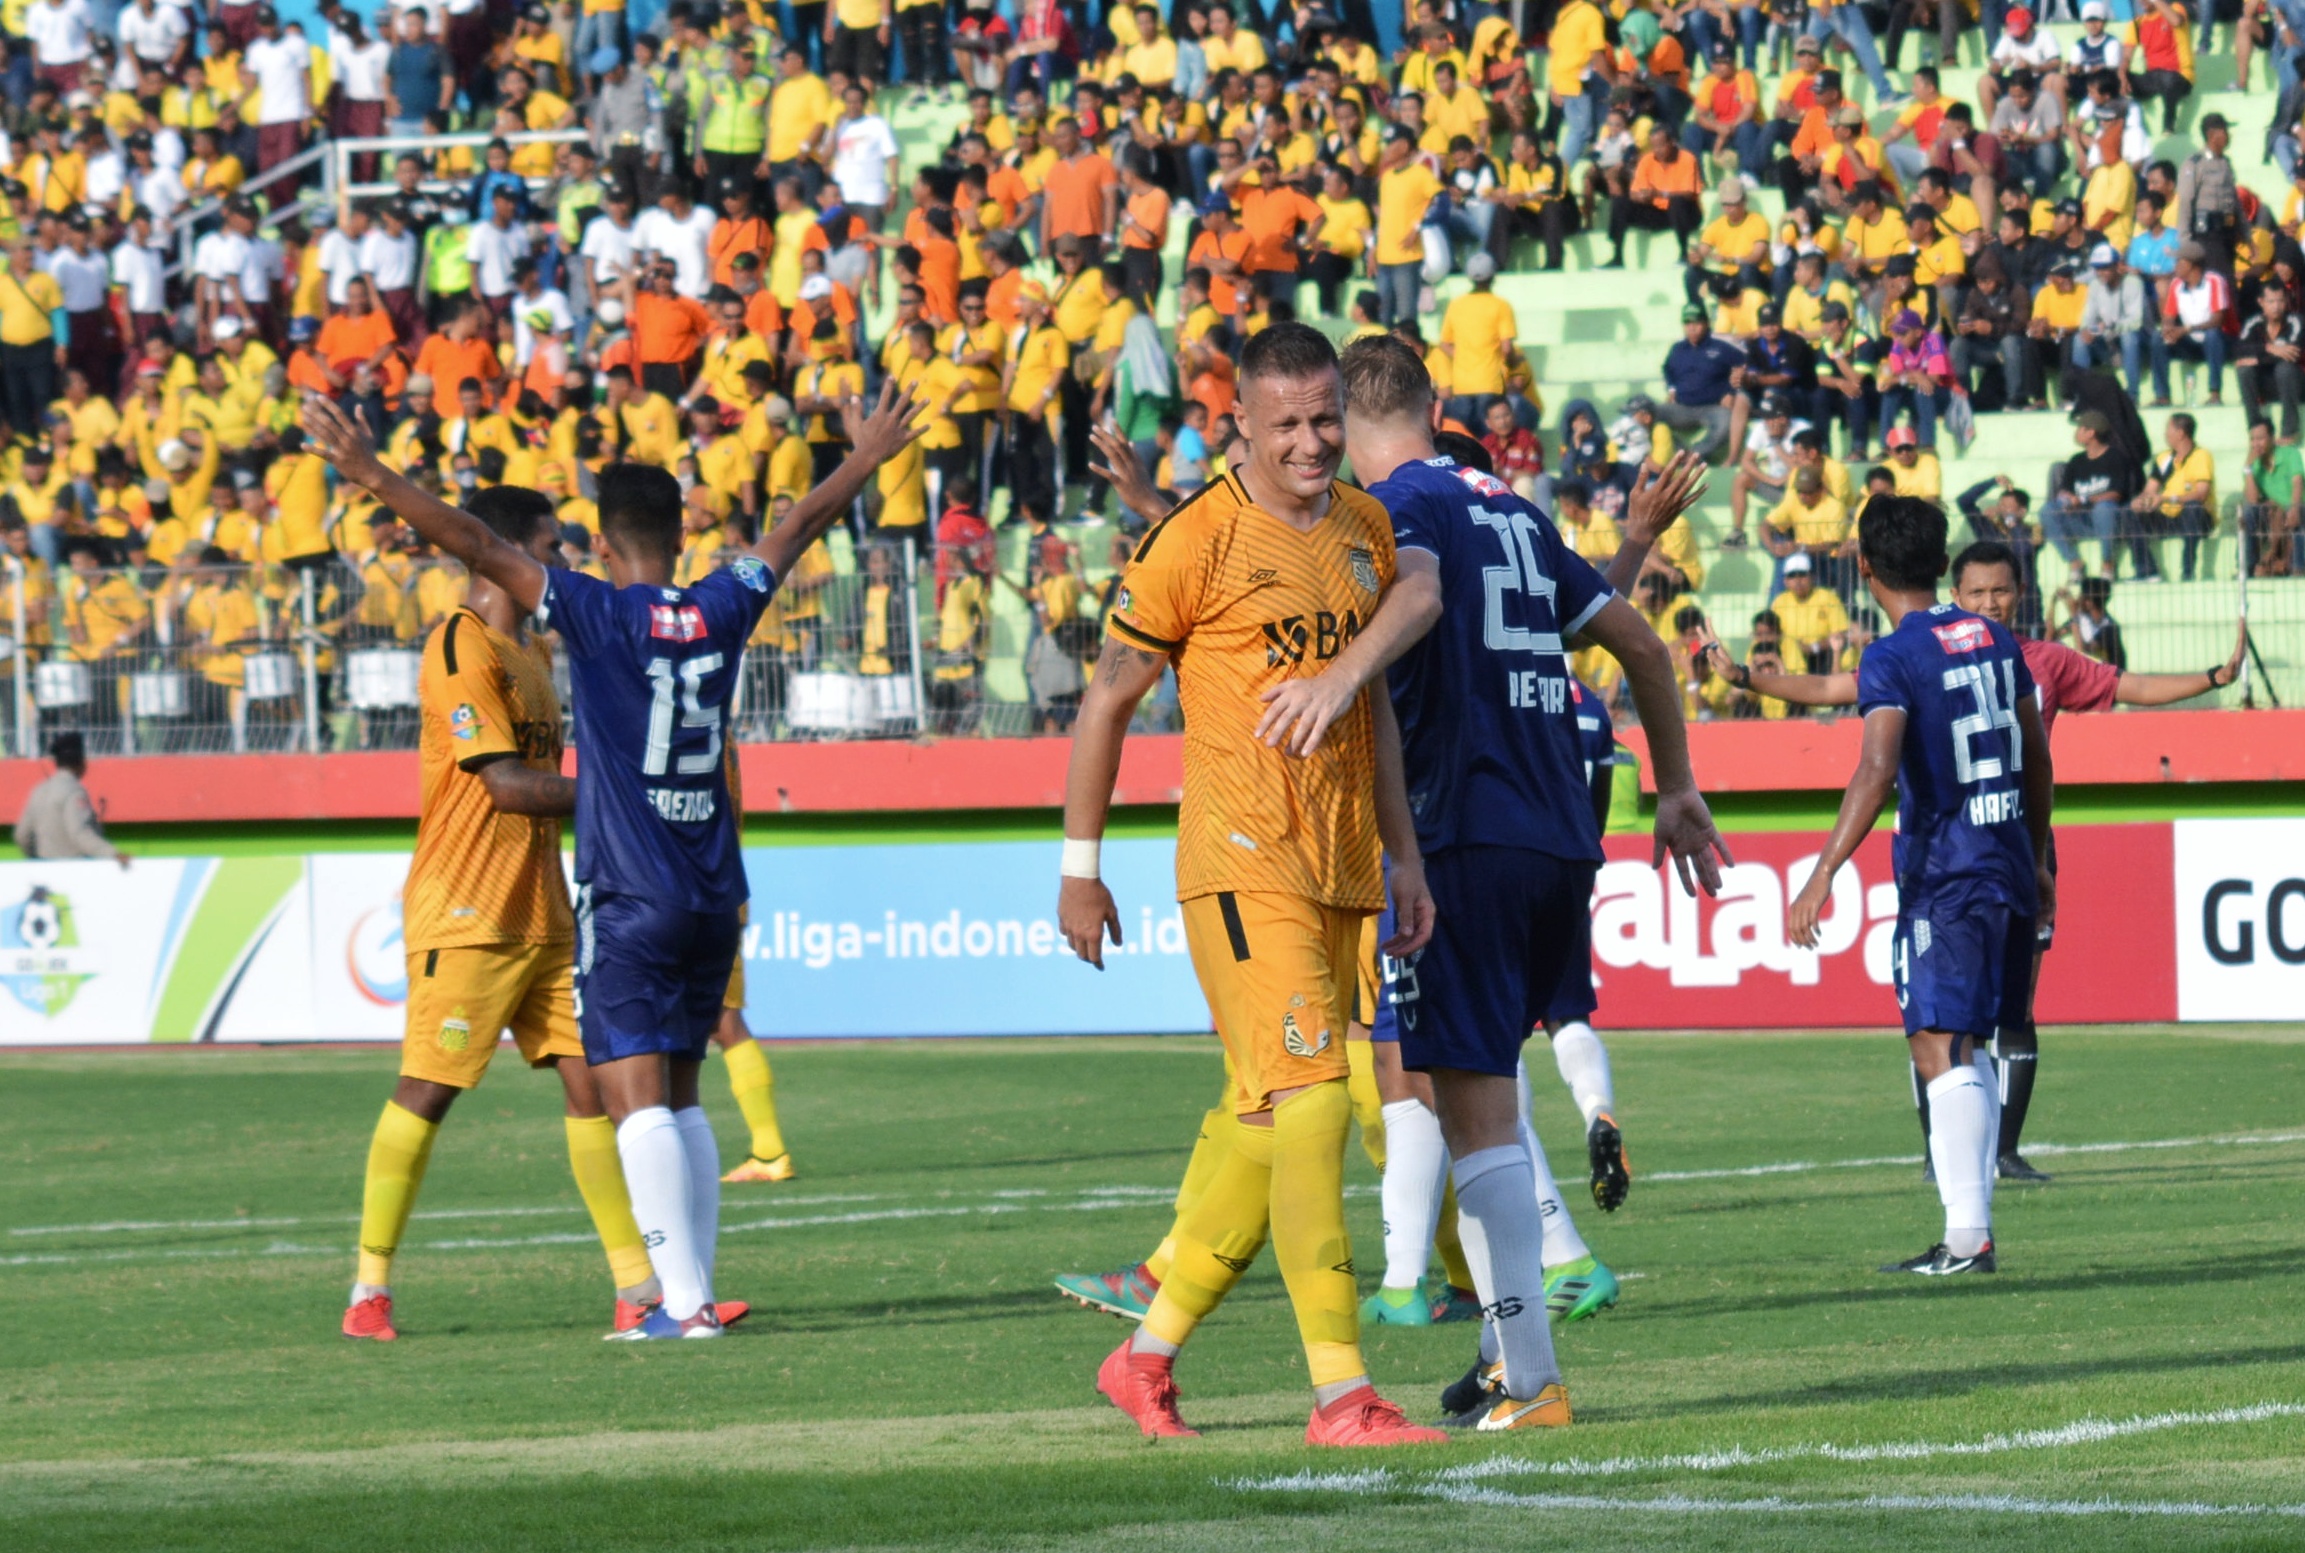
<point>1080,859</point>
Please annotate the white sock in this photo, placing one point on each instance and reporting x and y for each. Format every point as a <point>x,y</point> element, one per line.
<point>1961,1137</point>
<point>656,1174</point>
<point>1416,1167</point>
<point>703,1187</point>
<point>1504,1237</point>
<point>1584,1065</point>
<point>1562,1242</point>
<point>1989,1074</point>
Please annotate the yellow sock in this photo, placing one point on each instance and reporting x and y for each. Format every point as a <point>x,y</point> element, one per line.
<point>599,1172</point>
<point>754,1086</point>
<point>397,1156</point>
<point>1223,1235</point>
<point>1209,1151</point>
<point>1309,1238</point>
<point>1368,1105</point>
<point>1447,1243</point>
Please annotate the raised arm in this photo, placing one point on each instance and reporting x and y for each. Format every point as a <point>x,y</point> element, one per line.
<point>1684,826</point>
<point>876,439</point>
<point>1861,806</point>
<point>347,446</point>
<point>1084,907</point>
<point>2163,689</point>
<point>1658,499</point>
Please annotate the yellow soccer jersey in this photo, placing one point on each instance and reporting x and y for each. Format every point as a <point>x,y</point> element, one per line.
<point>1241,601</point>
<point>480,876</point>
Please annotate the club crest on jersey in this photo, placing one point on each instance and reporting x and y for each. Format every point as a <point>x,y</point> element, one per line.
<point>676,622</point>
<point>455,1034</point>
<point>464,722</point>
<point>1364,568</point>
<point>1963,636</point>
<point>1480,480</point>
<point>750,571</point>
<point>1293,1039</point>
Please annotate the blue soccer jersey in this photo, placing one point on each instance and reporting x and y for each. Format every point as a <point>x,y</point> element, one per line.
<point>1492,751</point>
<point>1961,831</point>
<point>652,670</point>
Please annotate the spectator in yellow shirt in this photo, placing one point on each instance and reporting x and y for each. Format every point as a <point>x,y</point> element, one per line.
<point>1477,332</point>
<point>1913,467</point>
<point>1816,626</point>
<point>1405,188</point>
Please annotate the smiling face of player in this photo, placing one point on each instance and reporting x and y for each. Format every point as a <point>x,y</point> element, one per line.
<point>1295,428</point>
<point>1988,589</point>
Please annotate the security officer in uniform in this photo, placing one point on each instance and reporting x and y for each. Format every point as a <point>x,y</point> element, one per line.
<point>732,124</point>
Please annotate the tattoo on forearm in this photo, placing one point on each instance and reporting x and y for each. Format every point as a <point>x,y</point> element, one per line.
<point>1118,655</point>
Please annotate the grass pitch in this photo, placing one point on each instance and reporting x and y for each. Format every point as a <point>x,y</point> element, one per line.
<point>176,1232</point>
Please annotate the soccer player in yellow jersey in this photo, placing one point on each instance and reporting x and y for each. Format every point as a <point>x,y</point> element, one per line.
<point>1264,576</point>
<point>490,936</point>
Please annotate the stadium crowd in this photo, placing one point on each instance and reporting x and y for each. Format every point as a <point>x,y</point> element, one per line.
<point>690,243</point>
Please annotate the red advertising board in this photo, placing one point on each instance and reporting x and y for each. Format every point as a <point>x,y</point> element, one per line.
<point>1665,961</point>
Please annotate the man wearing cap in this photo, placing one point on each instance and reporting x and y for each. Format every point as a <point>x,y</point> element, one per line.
<point>1030,385</point>
<point>2118,317</point>
<point>668,329</point>
<point>2056,321</point>
<point>1992,324</point>
<point>1873,235</point>
<point>1815,623</point>
<point>2195,309</point>
<point>2096,49</point>
<point>730,125</point>
<point>1765,462</point>
<point>1736,243</point>
<point>1846,361</point>
<point>2025,46</point>
<point>1700,386</point>
<point>2093,491</point>
<point>1778,361</point>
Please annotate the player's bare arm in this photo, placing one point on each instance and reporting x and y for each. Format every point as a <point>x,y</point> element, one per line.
<point>1125,473</point>
<point>1800,689</point>
<point>1684,825</point>
<point>2167,689</point>
<point>2040,802</point>
<point>1301,711</point>
<point>1861,806</point>
<point>353,453</point>
<point>1084,906</point>
<point>1658,499</point>
<point>517,788</point>
<point>875,439</point>
<point>1397,829</point>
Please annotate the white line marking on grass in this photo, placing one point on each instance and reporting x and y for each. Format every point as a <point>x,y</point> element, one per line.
<point>1804,1166</point>
<point>1778,1504</point>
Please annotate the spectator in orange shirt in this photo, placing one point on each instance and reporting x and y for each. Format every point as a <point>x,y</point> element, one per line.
<point>1663,198</point>
<point>821,297</point>
<point>937,262</point>
<point>1278,220</point>
<point>667,328</point>
<point>1004,271</point>
<point>763,314</point>
<point>740,230</point>
<point>305,371</point>
<point>1814,137</point>
<point>1223,250</point>
<point>361,335</point>
<point>1144,226</point>
<point>1080,197</point>
<point>464,348</point>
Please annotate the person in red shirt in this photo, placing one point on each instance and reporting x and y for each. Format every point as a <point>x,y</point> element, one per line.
<point>1080,196</point>
<point>1516,456</point>
<point>2157,64</point>
<point>1988,580</point>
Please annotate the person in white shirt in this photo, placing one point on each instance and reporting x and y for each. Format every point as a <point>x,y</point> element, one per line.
<point>107,171</point>
<point>139,269</point>
<point>282,66</point>
<point>610,241</point>
<point>533,301</point>
<point>218,261</point>
<point>151,184</point>
<point>83,276</point>
<point>340,249</point>
<point>155,34</point>
<point>388,258</point>
<point>58,31</point>
<point>494,246</point>
<point>864,157</point>
<point>358,63</point>
<point>681,232</point>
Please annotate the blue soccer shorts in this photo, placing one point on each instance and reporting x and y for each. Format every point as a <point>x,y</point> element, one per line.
<point>1512,943</point>
<point>650,979</point>
<point>1966,968</point>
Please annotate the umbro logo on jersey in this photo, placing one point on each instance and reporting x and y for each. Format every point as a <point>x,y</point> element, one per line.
<point>1963,636</point>
<point>1263,575</point>
<point>676,622</point>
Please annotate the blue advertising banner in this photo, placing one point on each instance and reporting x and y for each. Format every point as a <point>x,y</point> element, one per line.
<point>958,939</point>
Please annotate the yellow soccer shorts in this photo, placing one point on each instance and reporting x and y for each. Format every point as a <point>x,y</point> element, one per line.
<point>1277,971</point>
<point>460,1000</point>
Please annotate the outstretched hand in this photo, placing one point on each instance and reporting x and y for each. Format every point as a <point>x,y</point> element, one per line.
<point>1125,473</point>
<point>889,428</point>
<point>1660,496</point>
<point>340,441</point>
